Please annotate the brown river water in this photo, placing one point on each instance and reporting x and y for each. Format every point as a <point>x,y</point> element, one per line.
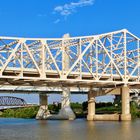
<point>79,129</point>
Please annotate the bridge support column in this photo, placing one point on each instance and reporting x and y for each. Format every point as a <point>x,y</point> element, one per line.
<point>66,112</point>
<point>91,106</point>
<point>43,110</point>
<point>125,103</point>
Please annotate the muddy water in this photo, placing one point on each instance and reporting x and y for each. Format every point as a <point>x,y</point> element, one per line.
<point>79,129</point>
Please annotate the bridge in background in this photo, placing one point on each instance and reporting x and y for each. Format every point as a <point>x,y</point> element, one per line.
<point>101,64</point>
<point>12,101</point>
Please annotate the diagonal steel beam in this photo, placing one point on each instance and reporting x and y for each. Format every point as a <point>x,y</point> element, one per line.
<point>31,56</point>
<point>57,68</point>
<point>110,58</point>
<point>80,56</point>
<point>10,57</point>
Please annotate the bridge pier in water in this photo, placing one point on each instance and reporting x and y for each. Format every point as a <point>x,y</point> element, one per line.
<point>43,110</point>
<point>125,99</point>
<point>66,111</point>
<point>125,103</point>
<point>91,106</point>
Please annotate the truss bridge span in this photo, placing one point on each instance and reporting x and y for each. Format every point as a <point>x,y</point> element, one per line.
<point>110,58</point>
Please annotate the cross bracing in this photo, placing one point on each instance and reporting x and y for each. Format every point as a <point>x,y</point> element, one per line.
<point>110,58</point>
<point>12,101</point>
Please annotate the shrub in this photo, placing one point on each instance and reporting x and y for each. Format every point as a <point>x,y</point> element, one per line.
<point>29,112</point>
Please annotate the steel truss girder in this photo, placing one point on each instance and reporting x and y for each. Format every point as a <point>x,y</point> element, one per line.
<point>107,57</point>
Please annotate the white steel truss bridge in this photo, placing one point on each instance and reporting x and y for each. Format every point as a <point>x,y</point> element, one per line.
<point>98,60</point>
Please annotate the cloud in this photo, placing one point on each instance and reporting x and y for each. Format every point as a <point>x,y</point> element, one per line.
<point>57,21</point>
<point>69,8</point>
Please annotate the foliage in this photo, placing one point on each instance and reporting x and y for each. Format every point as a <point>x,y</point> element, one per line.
<point>110,108</point>
<point>29,112</point>
<point>134,110</point>
<point>54,108</point>
<point>79,109</point>
<point>76,105</point>
<point>84,106</point>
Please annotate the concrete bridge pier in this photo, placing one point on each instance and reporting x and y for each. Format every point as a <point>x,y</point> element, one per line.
<point>125,103</point>
<point>43,110</point>
<point>91,106</point>
<point>66,112</point>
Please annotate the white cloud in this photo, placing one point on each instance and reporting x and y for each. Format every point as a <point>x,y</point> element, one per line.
<point>57,21</point>
<point>70,8</point>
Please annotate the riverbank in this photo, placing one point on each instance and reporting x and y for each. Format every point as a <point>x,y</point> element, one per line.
<point>80,110</point>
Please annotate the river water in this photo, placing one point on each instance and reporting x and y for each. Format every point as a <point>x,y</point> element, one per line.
<point>79,129</point>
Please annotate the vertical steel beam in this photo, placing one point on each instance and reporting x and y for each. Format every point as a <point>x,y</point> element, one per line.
<point>65,57</point>
<point>80,61</point>
<point>111,69</point>
<point>90,58</point>
<point>22,55</point>
<point>125,56</point>
<point>43,58</point>
<point>96,59</point>
<point>138,61</point>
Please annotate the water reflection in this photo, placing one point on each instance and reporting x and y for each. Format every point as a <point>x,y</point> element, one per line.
<point>126,129</point>
<point>68,130</point>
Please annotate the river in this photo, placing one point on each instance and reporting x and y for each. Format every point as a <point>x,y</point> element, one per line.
<point>79,129</point>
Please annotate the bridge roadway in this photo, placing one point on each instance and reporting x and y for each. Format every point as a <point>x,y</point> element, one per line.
<point>97,63</point>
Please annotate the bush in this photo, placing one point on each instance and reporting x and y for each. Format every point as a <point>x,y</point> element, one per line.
<point>54,108</point>
<point>85,106</point>
<point>29,112</point>
<point>134,110</point>
<point>76,105</point>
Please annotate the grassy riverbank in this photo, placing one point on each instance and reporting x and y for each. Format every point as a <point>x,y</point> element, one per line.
<point>79,109</point>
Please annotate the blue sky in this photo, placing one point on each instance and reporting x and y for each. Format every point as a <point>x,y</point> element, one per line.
<point>53,18</point>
